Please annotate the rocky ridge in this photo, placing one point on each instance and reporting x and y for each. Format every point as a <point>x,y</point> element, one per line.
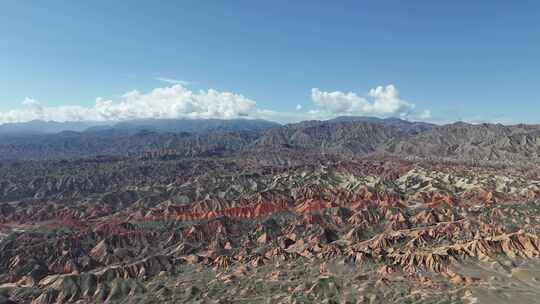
<point>399,225</point>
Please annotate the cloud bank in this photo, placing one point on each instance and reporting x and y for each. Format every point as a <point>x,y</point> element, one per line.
<point>381,101</point>
<point>177,101</point>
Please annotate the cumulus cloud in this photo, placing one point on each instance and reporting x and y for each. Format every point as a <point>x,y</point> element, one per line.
<point>382,101</point>
<point>175,101</point>
<point>178,101</point>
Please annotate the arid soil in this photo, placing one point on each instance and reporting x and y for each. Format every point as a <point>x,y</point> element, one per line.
<point>352,210</point>
<point>375,230</point>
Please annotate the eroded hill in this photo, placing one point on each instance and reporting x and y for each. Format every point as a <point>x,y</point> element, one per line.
<point>227,231</point>
<point>343,211</point>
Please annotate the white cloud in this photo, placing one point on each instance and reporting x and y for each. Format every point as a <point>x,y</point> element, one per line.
<point>30,102</point>
<point>426,114</point>
<point>381,101</point>
<point>177,101</point>
<point>169,102</point>
<point>174,81</point>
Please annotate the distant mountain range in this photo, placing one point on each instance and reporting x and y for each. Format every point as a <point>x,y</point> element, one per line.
<point>413,127</point>
<point>44,127</point>
<point>349,137</point>
<point>39,127</point>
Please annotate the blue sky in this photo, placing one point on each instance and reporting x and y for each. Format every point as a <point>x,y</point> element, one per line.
<point>459,60</point>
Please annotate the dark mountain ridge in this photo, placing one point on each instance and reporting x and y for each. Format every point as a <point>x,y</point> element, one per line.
<point>199,126</point>
<point>413,127</point>
<point>35,127</point>
<point>466,142</point>
<point>349,137</point>
<point>40,127</point>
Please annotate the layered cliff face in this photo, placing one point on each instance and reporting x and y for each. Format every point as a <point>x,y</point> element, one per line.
<point>376,230</point>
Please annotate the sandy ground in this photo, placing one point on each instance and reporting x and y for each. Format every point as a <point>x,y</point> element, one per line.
<point>503,281</point>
